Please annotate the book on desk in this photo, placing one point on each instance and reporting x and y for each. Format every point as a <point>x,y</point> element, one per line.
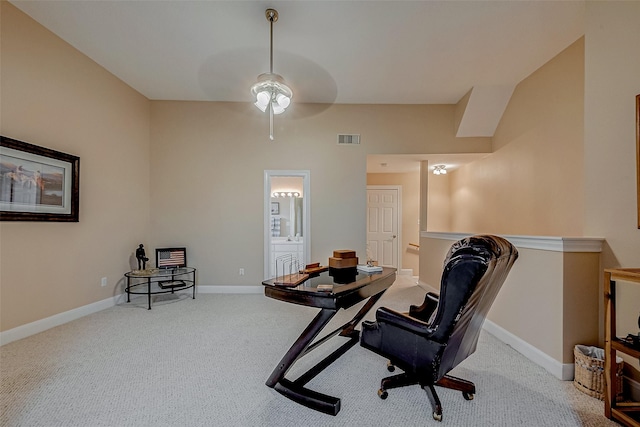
<point>369,268</point>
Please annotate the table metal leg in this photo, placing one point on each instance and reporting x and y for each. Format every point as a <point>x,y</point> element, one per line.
<point>295,390</point>
<point>149,292</point>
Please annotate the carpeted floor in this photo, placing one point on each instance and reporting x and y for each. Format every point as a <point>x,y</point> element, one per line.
<point>204,362</point>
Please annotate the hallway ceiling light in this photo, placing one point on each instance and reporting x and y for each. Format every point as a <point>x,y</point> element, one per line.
<point>439,170</point>
<point>270,91</point>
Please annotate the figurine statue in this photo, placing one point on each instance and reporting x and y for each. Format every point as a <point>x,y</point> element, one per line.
<point>142,258</point>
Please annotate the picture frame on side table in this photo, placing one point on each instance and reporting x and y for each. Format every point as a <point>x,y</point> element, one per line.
<point>37,183</point>
<point>171,257</point>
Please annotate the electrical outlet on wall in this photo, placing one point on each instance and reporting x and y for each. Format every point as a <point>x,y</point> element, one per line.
<point>241,272</point>
<point>103,282</point>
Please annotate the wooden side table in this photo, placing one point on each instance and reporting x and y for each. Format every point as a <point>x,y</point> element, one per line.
<point>626,413</point>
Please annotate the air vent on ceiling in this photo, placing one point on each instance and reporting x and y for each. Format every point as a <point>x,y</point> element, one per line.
<point>344,139</point>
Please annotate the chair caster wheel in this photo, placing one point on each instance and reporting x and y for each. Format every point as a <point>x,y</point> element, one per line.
<point>390,367</point>
<point>437,416</point>
<point>382,393</point>
<point>468,396</point>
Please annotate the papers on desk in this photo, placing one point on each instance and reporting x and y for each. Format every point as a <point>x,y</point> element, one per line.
<point>369,268</point>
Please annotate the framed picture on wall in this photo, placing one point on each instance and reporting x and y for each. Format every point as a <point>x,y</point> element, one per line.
<point>37,183</point>
<point>275,208</point>
<point>638,154</point>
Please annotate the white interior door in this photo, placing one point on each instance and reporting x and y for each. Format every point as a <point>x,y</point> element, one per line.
<point>383,228</point>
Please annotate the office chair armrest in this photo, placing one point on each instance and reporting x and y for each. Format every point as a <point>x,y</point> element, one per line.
<point>424,311</point>
<point>403,321</point>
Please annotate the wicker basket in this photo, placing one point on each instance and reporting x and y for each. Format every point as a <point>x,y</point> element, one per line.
<point>589,372</point>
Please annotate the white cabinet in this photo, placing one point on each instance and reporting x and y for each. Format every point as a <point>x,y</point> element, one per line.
<point>279,248</point>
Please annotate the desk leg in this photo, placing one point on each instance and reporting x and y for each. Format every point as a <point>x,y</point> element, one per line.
<point>296,390</point>
<point>301,344</point>
<point>350,326</point>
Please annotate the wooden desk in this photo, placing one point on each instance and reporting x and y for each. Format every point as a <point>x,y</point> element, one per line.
<point>627,413</point>
<point>347,291</point>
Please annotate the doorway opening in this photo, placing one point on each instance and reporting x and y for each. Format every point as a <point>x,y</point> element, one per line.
<point>287,207</point>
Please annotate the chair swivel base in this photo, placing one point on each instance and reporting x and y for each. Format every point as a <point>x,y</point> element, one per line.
<point>467,388</point>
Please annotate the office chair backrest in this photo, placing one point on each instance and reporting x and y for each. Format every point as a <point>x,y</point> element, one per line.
<point>475,269</point>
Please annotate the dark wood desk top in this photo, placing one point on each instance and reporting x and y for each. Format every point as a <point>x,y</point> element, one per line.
<point>348,289</point>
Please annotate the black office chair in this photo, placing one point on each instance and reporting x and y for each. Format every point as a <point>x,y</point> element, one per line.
<point>434,338</point>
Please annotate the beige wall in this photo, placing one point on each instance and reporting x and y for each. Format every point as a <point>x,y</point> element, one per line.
<point>201,153</point>
<point>439,215</point>
<point>559,171</point>
<point>57,98</point>
<point>208,161</point>
<point>410,183</point>
<point>530,185</point>
<point>549,301</point>
<point>611,84</point>
<point>533,183</point>
<point>177,173</point>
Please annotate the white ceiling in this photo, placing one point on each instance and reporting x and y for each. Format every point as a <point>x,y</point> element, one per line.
<point>328,51</point>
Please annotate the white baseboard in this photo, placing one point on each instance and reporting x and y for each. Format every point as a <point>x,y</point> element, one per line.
<point>559,370</point>
<point>42,325</point>
<point>56,320</point>
<point>244,289</point>
<point>405,272</point>
<point>563,371</point>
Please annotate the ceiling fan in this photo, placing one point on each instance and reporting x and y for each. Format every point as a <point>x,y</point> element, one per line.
<point>271,92</point>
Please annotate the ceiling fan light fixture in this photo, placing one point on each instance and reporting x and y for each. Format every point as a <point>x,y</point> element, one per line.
<point>276,108</point>
<point>283,100</point>
<point>271,91</point>
<point>262,100</point>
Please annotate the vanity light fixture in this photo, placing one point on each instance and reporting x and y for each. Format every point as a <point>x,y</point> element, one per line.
<point>286,194</point>
<point>271,91</point>
<point>439,170</point>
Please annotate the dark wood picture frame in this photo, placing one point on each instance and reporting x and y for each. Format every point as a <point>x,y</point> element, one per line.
<point>37,183</point>
<point>638,155</point>
<point>171,257</point>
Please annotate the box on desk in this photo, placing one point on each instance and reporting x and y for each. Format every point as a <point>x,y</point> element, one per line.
<point>343,262</point>
<point>343,258</point>
<point>343,266</point>
<point>344,253</point>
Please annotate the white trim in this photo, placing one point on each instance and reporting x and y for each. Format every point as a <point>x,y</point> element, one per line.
<point>215,289</point>
<point>398,188</point>
<point>42,325</point>
<point>405,272</point>
<point>561,371</point>
<point>547,243</point>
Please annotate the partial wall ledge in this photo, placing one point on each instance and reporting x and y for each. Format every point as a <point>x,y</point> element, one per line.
<point>549,303</point>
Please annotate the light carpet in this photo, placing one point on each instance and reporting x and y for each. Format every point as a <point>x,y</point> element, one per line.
<point>204,362</point>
